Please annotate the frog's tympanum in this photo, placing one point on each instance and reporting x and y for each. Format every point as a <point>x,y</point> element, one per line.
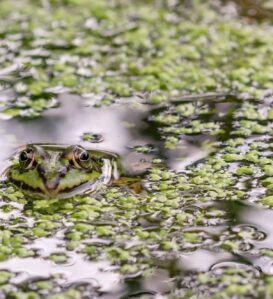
<point>46,170</point>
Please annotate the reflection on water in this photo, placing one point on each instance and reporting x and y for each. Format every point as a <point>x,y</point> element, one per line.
<point>121,127</point>
<point>118,126</point>
<point>66,123</point>
<point>215,235</point>
<point>77,270</point>
<point>202,260</point>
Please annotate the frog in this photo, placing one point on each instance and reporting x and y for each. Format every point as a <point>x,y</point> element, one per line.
<point>53,170</point>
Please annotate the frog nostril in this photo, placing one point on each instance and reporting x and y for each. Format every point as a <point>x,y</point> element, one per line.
<point>41,171</point>
<point>62,172</point>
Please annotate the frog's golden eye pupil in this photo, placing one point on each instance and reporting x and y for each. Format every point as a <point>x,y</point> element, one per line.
<point>23,157</point>
<point>84,156</point>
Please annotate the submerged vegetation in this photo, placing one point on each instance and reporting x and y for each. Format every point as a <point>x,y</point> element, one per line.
<point>156,51</point>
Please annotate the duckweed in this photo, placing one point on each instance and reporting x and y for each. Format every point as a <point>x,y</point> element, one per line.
<point>129,49</point>
<point>158,53</point>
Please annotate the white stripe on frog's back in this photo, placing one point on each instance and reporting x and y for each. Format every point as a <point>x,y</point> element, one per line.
<point>115,171</point>
<point>109,171</point>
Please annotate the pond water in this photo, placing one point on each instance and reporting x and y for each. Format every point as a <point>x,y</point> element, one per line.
<point>150,81</point>
<point>200,218</point>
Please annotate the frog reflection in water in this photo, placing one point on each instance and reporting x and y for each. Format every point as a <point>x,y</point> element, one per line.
<point>46,170</point>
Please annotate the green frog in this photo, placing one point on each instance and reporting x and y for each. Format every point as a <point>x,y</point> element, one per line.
<point>51,170</point>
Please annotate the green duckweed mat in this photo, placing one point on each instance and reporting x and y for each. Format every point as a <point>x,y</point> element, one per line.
<point>191,233</point>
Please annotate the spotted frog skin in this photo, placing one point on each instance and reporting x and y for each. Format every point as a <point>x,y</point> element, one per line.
<point>51,170</point>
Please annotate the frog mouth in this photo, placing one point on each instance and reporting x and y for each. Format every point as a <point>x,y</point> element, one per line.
<point>52,186</point>
<point>46,192</point>
<point>55,191</point>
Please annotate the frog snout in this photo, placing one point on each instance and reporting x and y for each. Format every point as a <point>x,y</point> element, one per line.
<point>52,184</point>
<point>52,181</point>
<point>52,178</point>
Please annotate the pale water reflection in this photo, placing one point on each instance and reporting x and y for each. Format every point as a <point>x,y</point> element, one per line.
<point>119,127</point>
<point>124,127</point>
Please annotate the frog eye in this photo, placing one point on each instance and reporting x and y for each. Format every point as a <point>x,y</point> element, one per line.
<point>26,158</point>
<point>23,157</point>
<point>84,156</point>
<point>79,157</point>
<point>83,159</point>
